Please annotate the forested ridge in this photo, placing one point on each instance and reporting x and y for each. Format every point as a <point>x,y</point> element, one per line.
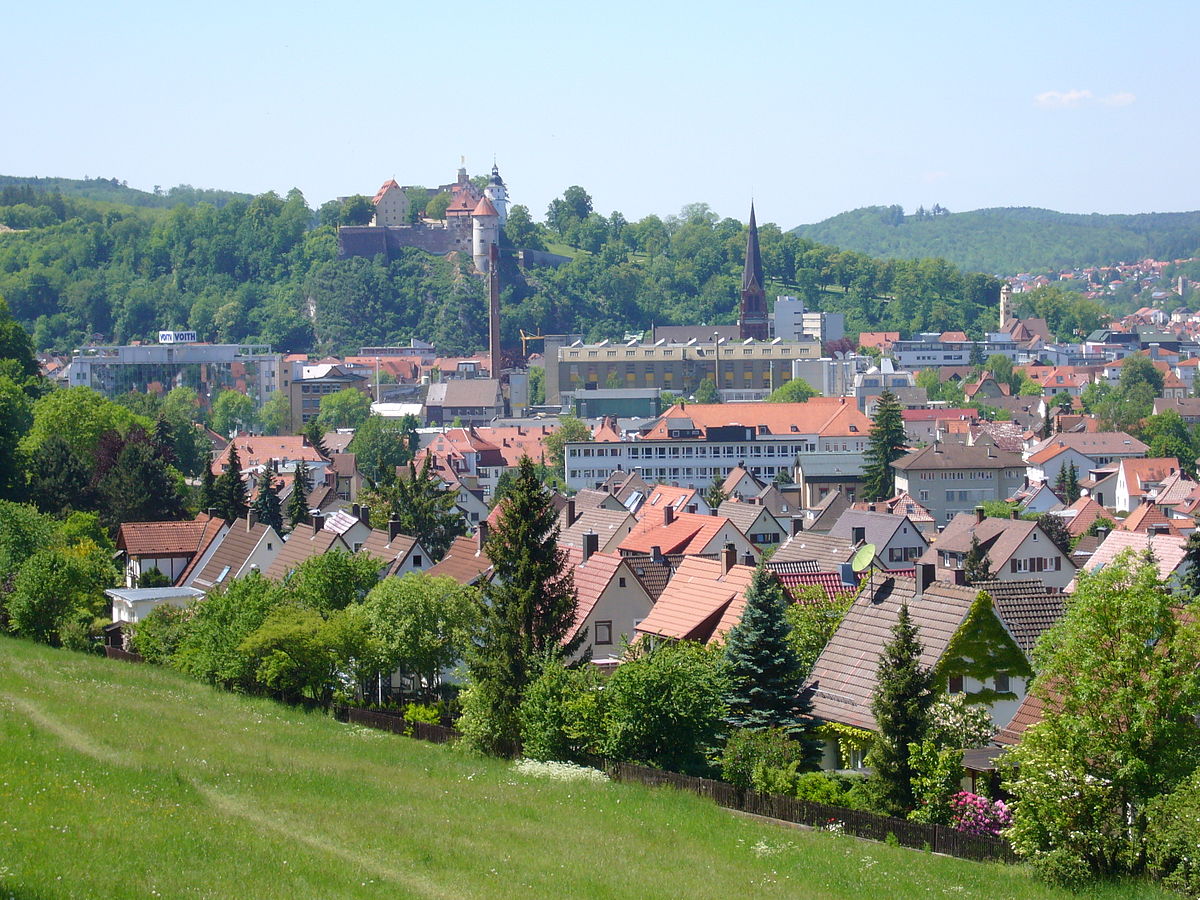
<point>1005,241</point>
<point>265,269</point>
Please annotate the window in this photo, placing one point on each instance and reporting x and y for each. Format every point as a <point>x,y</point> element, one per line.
<point>604,632</point>
<point>417,562</point>
<point>1002,683</point>
<point>954,684</point>
<point>621,581</point>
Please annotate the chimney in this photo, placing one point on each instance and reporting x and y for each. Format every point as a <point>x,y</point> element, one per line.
<point>728,557</point>
<point>960,576</point>
<point>318,522</point>
<point>591,545</point>
<point>212,512</point>
<point>748,559</point>
<point>251,520</point>
<point>925,574</point>
<point>1014,513</point>
<point>364,515</point>
<point>356,510</point>
<point>980,515</point>
<point>570,509</point>
<point>393,529</point>
<point>797,525</point>
<point>858,534</point>
<point>481,534</point>
<point>668,514</point>
<point>1102,533</point>
<point>656,554</point>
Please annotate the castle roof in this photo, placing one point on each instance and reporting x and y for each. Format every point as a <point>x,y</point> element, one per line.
<point>484,208</point>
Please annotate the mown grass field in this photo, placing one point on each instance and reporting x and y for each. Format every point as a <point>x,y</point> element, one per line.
<point>119,780</point>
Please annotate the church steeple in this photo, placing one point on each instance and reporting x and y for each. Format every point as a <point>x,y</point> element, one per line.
<point>752,320</point>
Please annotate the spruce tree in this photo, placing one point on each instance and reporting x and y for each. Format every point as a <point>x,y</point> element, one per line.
<point>266,505</point>
<point>764,671</point>
<point>1071,487</point>
<point>208,485</point>
<point>164,441</point>
<point>425,509</point>
<point>297,505</point>
<point>232,502</point>
<point>903,695</point>
<point>59,479</point>
<point>887,444</point>
<point>527,610</point>
<point>976,565</point>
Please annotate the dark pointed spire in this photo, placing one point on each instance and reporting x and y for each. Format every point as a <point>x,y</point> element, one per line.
<point>752,274</point>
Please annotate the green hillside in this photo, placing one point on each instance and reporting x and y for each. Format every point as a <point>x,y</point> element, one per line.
<point>129,781</point>
<point>1011,240</point>
<point>113,190</point>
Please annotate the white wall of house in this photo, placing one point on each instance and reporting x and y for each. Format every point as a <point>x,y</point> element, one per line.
<point>948,492</point>
<point>1037,557</point>
<point>616,614</point>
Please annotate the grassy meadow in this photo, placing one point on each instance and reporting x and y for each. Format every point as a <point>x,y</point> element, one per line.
<point>120,780</point>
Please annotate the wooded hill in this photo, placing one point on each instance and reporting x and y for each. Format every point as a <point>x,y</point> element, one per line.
<point>1010,240</point>
<point>266,269</point>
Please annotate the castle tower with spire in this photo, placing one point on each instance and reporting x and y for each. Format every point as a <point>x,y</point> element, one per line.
<point>752,317</point>
<point>485,233</point>
<point>498,194</point>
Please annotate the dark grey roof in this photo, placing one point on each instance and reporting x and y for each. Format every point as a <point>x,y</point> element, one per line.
<point>943,455</point>
<point>844,677</point>
<point>879,528</point>
<point>828,552</point>
<point>1027,608</point>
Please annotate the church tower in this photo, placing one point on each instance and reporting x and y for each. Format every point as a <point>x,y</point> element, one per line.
<point>752,319</point>
<point>1005,304</point>
<point>498,194</point>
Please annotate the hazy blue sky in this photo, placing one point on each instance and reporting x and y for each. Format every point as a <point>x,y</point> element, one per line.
<point>814,108</point>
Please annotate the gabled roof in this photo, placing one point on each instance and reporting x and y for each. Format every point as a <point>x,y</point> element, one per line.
<point>879,527</point>
<point>165,538</point>
<point>606,523</point>
<point>1142,474</point>
<point>303,544</point>
<point>1150,515</point>
<point>843,679</point>
<point>1086,443</point>
<point>998,538</point>
<point>213,529</point>
<point>1168,550</point>
<point>390,552</point>
<point>830,582</point>
<point>1081,515</point>
<point>663,495</point>
<point>689,534</point>
<point>944,455</point>
<point>259,450</point>
<point>1028,714</point>
<point>826,551</point>
<point>231,555</point>
<point>465,562</point>
<point>701,602</point>
<point>736,476</point>
<point>1027,609</point>
<point>654,574</point>
<point>592,578</point>
<point>744,515</point>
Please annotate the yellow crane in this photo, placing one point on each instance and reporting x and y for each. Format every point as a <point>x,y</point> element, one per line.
<point>526,338</point>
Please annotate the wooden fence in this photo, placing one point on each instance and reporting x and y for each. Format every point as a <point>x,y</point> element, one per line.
<point>118,653</point>
<point>937,838</point>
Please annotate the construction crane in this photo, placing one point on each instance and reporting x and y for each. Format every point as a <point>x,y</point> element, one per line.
<point>526,338</point>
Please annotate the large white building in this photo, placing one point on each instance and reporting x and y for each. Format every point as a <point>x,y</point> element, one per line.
<point>691,444</point>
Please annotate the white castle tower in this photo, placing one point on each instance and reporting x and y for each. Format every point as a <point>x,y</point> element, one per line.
<point>485,232</point>
<point>498,194</point>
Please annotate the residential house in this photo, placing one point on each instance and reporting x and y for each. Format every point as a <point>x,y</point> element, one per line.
<point>680,499</point>
<point>168,547</point>
<point>689,534</point>
<point>1168,551</point>
<point>755,521</point>
<point>398,553</point>
<point>1015,550</point>
<point>1150,517</point>
<point>896,539</point>
<point>465,561</point>
<point>247,546</point>
<point>1081,515</point>
<point>354,526</point>
<point>609,526</point>
<point>611,600</point>
<point>304,544</point>
<point>813,552</point>
<point>1139,479</point>
<point>1084,450</point>
<point>948,479</point>
<point>590,498</point>
<point>822,515</point>
<point>949,618</point>
<point>702,602</point>
<point>903,504</point>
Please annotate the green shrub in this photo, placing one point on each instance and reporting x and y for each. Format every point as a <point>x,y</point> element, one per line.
<point>750,754</point>
<point>1173,837</point>
<point>423,713</point>
<point>820,787</point>
<point>158,636</point>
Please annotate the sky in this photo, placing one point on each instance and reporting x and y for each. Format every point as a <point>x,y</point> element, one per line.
<point>809,108</point>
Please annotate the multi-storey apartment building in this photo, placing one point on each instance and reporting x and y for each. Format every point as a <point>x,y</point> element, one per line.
<point>948,479</point>
<point>691,444</point>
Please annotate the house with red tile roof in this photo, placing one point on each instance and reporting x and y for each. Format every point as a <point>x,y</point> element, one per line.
<point>610,601</point>
<point>1141,478</point>
<point>246,546</point>
<point>680,499</point>
<point>702,602</point>
<point>688,534</point>
<point>465,561</point>
<point>303,544</point>
<point>1085,450</point>
<point>1168,551</point>
<point>1150,518</point>
<point>1016,549</point>
<point>168,547</point>
<point>1081,515</point>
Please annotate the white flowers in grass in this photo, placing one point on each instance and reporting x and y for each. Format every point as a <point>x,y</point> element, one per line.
<point>559,771</point>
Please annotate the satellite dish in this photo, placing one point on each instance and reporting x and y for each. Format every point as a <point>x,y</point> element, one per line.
<point>863,557</point>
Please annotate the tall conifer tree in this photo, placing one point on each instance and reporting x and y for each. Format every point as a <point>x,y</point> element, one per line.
<point>208,485</point>
<point>764,671</point>
<point>266,505</point>
<point>887,444</point>
<point>232,501</point>
<point>297,505</point>
<point>527,610</point>
<point>903,695</point>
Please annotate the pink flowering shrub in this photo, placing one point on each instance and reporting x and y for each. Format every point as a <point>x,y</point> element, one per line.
<point>973,814</point>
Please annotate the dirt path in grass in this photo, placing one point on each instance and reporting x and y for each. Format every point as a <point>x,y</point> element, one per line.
<point>271,821</point>
<point>72,737</point>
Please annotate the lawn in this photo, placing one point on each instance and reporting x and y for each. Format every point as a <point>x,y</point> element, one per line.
<point>120,780</point>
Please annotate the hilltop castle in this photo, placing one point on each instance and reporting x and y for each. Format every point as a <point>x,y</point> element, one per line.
<point>473,219</point>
